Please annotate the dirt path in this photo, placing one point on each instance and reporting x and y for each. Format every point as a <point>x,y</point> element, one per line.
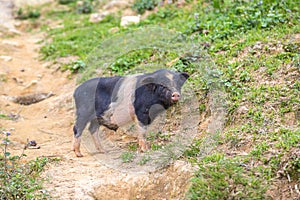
<point>49,123</point>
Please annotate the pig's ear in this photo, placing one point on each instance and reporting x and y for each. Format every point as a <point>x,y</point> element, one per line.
<point>147,80</point>
<point>184,75</point>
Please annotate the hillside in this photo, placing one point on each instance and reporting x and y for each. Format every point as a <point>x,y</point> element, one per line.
<point>234,135</point>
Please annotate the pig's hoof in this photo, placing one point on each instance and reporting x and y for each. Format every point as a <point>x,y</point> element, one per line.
<point>143,147</point>
<point>78,154</point>
<point>101,151</point>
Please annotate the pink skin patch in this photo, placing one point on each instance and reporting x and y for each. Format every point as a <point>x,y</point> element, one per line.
<point>175,96</point>
<point>143,146</point>
<point>76,147</point>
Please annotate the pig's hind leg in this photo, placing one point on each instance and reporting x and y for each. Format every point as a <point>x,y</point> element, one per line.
<point>78,128</point>
<point>94,130</point>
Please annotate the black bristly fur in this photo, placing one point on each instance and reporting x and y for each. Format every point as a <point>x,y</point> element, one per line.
<point>147,96</point>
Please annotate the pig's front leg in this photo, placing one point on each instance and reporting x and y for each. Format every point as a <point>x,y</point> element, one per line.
<point>97,141</point>
<point>143,145</point>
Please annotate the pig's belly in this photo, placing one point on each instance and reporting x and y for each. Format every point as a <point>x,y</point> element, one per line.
<point>122,115</point>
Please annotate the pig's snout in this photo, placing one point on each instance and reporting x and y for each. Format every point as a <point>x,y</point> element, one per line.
<point>175,96</point>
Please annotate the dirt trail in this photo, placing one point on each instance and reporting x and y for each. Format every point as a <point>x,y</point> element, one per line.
<point>49,123</point>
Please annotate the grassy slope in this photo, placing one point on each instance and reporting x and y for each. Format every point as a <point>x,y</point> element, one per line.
<point>256,50</point>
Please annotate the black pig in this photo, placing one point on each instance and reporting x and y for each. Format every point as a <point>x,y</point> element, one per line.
<point>116,101</point>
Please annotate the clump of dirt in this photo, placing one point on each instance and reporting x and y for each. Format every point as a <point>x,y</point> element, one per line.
<point>32,98</point>
<point>170,183</point>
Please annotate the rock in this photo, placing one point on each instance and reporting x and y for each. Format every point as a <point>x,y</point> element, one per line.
<point>79,3</point>
<point>34,82</point>
<point>98,17</point>
<point>126,20</point>
<point>19,81</point>
<point>6,58</point>
<point>31,98</point>
<point>116,5</point>
<point>114,30</point>
<point>24,3</point>
<point>12,43</point>
<point>242,110</point>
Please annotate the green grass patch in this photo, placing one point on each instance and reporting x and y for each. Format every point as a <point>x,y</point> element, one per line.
<point>219,177</point>
<point>20,179</point>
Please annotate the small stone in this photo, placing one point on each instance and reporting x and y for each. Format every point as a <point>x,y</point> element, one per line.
<point>18,80</point>
<point>34,82</point>
<point>80,3</point>
<point>116,5</point>
<point>6,58</point>
<point>114,30</point>
<point>98,17</point>
<point>126,20</point>
<point>12,43</point>
<point>242,110</point>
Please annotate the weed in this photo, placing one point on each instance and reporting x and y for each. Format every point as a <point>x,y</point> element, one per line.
<point>76,66</point>
<point>155,147</point>
<point>4,116</point>
<point>220,178</point>
<point>144,160</point>
<point>140,6</point>
<point>133,146</point>
<point>127,157</point>
<point>3,78</point>
<point>85,7</point>
<point>66,1</point>
<point>28,13</point>
<point>128,61</point>
<point>19,180</point>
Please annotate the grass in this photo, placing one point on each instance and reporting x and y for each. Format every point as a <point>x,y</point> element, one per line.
<point>20,179</point>
<point>219,177</point>
<point>255,50</point>
<point>127,157</point>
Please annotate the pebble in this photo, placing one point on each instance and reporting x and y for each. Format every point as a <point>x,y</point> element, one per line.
<point>6,58</point>
<point>98,17</point>
<point>12,43</point>
<point>126,20</point>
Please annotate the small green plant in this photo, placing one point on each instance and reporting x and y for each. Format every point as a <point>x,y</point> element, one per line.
<point>140,6</point>
<point>28,13</point>
<point>76,66</point>
<point>144,160</point>
<point>66,1</point>
<point>3,116</point>
<point>128,61</point>
<point>3,78</point>
<point>85,7</point>
<point>156,147</point>
<point>19,180</point>
<point>127,157</point>
<point>133,146</point>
